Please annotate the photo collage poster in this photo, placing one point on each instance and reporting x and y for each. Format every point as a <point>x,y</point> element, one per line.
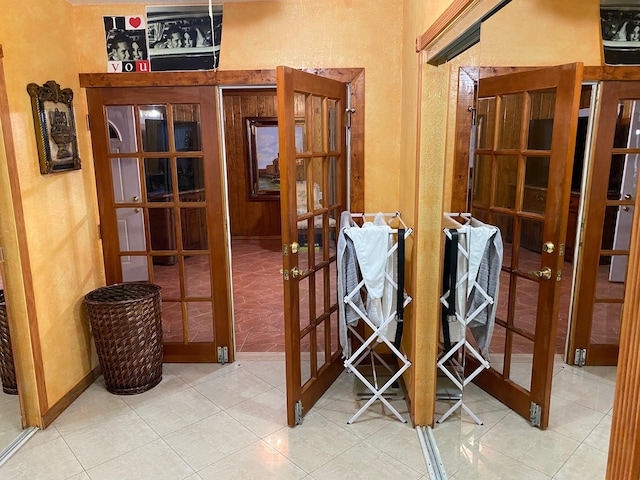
<point>173,38</point>
<point>620,27</point>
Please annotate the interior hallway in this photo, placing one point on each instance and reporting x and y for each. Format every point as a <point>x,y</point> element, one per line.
<point>211,421</point>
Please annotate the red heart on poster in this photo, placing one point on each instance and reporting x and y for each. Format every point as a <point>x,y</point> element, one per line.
<point>135,22</point>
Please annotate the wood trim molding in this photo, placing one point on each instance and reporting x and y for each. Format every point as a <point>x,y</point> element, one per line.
<point>31,418</point>
<point>624,444</point>
<point>444,21</point>
<point>70,397</point>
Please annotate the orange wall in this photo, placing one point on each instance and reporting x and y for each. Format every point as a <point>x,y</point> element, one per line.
<point>60,210</point>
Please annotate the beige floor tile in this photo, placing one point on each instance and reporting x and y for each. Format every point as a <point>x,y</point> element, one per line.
<point>210,440</point>
<point>571,419</point>
<point>545,451</point>
<point>233,388</point>
<point>264,414</point>
<point>154,461</point>
<point>364,461</point>
<point>169,384</point>
<point>272,372</point>
<point>108,439</point>
<point>172,412</point>
<point>400,441</point>
<point>196,373</point>
<point>258,460</point>
<point>587,463</point>
<point>599,437</point>
<point>52,460</point>
<point>578,386</point>
<point>479,462</point>
<point>314,443</point>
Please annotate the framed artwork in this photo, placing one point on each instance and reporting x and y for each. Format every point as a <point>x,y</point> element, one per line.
<point>55,127</point>
<point>126,44</point>
<point>620,26</point>
<point>264,159</point>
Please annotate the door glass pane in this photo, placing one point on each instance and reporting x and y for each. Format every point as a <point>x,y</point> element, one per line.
<point>485,122</point>
<point>506,178</point>
<point>194,228</point>
<point>319,292</point>
<point>153,126</point>
<point>131,230</point>
<point>621,241</point>
<point>134,268</point>
<point>624,133</point>
<point>168,278</point>
<point>333,131</point>
<point>543,104</point>
<point>521,362</point>
<point>186,127</point>
<point>510,125</point>
<point>162,229</point>
<point>529,257</point>
<point>333,180</point>
<point>536,179</point>
<point>305,318</point>
<point>305,359</point>
<point>605,328</point>
<point>303,241</point>
<point>524,309</point>
<point>321,332</point>
<point>126,180</point>
<point>611,276</point>
<point>172,330</point>
<point>190,179</point>
<point>158,180</point>
<point>505,224</point>
<point>122,129</point>
<point>481,179</point>
<point>316,121</point>
<point>197,276</point>
<point>302,197</point>
<point>318,181</point>
<point>200,321</point>
<point>498,345</point>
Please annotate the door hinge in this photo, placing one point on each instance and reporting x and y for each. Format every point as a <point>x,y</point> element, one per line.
<point>349,111</point>
<point>581,357</point>
<point>559,276</point>
<point>223,355</point>
<point>535,412</point>
<point>293,248</point>
<point>298,412</point>
<point>473,111</point>
<point>285,274</point>
<point>561,250</point>
<point>88,122</point>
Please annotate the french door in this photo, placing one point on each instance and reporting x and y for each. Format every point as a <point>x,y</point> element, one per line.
<point>525,140</point>
<point>609,215</point>
<point>159,191</point>
<point>313,193</point>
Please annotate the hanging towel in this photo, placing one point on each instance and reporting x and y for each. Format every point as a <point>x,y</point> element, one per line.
<point>371,242</point>
<point>348,280</point>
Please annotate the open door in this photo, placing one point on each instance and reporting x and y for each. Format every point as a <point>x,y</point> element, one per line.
<point>595,330</point>
<point>525,140</point>
<point>313,193</point>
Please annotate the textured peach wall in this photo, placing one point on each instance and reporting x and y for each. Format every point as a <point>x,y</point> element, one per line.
<point>60,210</point>
<point>305,34</point>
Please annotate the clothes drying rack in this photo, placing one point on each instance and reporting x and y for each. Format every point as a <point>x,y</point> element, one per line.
<point>452,360</point>
<point>377,335</point>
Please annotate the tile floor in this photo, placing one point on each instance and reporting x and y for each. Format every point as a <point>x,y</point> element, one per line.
<point>209,421</point>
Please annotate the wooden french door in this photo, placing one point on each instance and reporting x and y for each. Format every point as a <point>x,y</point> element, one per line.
<point>526,128</point>
<point>609,216</point>
<point>313,193</point>
<point>159,191</point>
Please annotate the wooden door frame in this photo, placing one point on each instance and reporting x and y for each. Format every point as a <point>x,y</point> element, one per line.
<point>624,443</point>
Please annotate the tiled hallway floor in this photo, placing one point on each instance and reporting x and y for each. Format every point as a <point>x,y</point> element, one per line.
<point>209,421</point>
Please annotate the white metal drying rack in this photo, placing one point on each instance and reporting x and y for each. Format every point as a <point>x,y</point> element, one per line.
<point>366,348</point>
<point>462,346</point>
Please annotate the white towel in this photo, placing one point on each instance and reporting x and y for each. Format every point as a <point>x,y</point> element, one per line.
<point>371,249</point>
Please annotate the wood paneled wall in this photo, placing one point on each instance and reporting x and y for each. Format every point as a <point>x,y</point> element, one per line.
<point>248,218</point>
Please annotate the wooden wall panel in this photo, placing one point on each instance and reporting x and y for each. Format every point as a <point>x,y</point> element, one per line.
<point>248,218</point>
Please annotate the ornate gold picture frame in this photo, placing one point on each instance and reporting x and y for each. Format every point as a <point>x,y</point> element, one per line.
<point>55,127</point>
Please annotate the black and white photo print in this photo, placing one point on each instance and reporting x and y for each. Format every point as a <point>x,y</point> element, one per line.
<point>620,34</point>
<point>126,44</point>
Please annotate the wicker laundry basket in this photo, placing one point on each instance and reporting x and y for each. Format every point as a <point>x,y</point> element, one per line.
<point>7,367</point>
<point>126,322</point>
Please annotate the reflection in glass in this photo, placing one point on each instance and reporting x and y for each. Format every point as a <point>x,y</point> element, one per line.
<point>158,179</point>
<point>524,316</point>
<point>197,276</point>
<point>194,228</point>
<point>200,321</point>
<point>333,180</point>
<point>167,276</point>
<point>510,121</point>
<point>605,327</point>
<point>318,182</point>
<point>497,348</point>
<point>543,104</point>
<point>126,180</point>
<point>521,362</point>
<point>319,292</point>
<point>605,287</point>
<point>305,359</point>
<point>505,224</point>
<point>186,127</point>
<point>506,178</point>
<point>485,122</point>
<point>131,230</point>
<point>481,179</point>
<point>134,268</point>
<point>529,257</point>
<point>335,341</point>
<point>191,178</point>
<point>153,126</point>
<point>320,346</point>
<point>162,231</point>
<point>122,129</point>
<point>172,331</point>
<point>333,132</point>
<point>536,180</point>
<point>316,121</point>
<point>304,291</point>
